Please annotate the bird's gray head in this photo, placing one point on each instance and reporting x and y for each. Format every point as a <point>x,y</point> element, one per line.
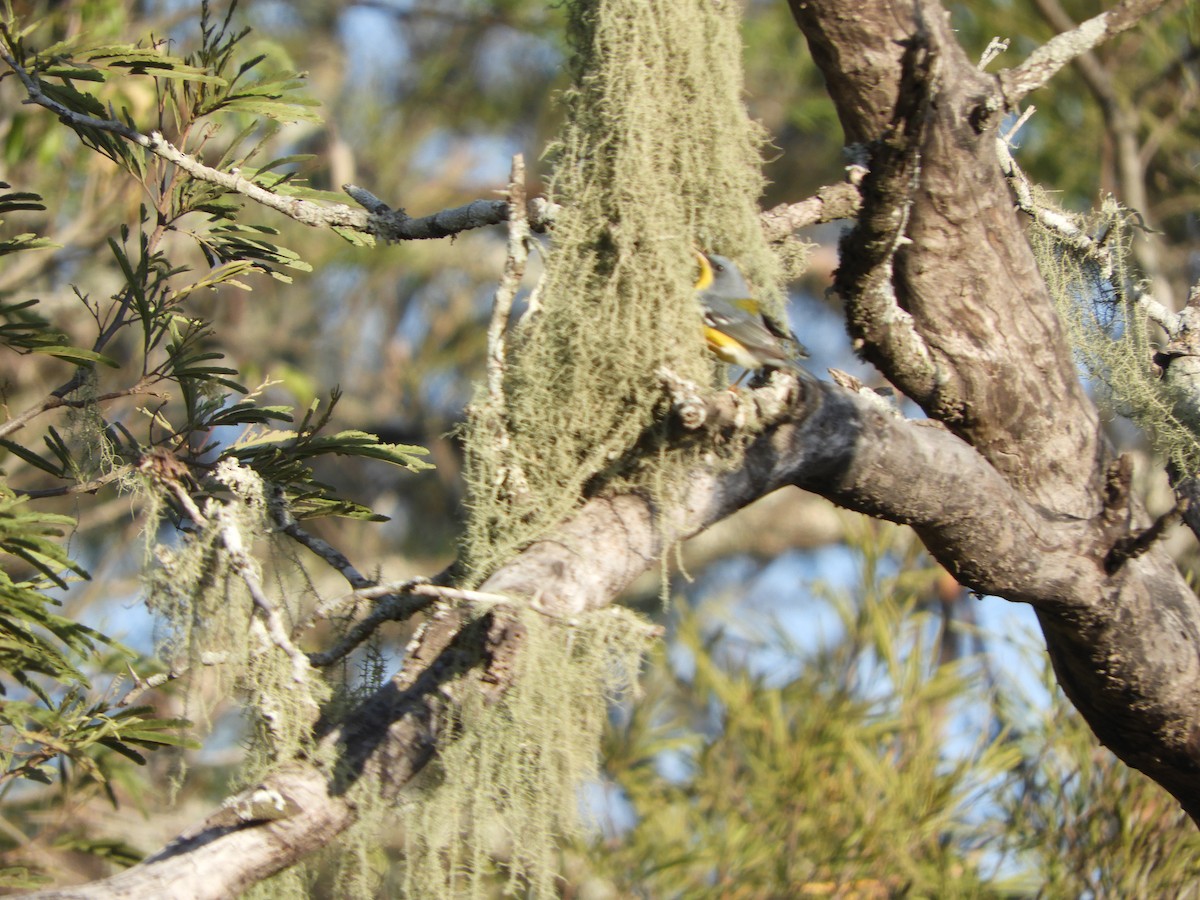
<point>728,283</point>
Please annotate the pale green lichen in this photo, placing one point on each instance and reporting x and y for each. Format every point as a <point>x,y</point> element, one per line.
<point>658,158</point>
<point>1109,331</point>
<point>504,793</point>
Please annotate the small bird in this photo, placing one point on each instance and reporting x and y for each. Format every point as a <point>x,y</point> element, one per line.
<point>734,327</point>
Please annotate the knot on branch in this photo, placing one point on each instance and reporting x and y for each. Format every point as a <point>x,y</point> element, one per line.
<point>1118,481</point>
<point>772,398</point>
<point>1183,335</point>
<point>259,804</point>
<point>882,398</point>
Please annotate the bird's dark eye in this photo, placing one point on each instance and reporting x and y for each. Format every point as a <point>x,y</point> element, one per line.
<point>718,267</point>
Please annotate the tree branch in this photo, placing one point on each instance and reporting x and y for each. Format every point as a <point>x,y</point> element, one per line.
<point>1121,120</point>
<point>1045,62</point>
<point>57,400</point>
<point>884,333</point>
<point>828,204</point>
<point>1125,645</point>
<point>378,220</point>
<point>397,602</point>
<point>583,566</point>
<point>832,441</point>
<point>322,548</point>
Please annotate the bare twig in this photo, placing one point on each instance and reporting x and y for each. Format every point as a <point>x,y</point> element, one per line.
<point>57,400</point>
<point>1025,116</point>
<point>1045,62</point>
<point>240,560</point>
<point>1131,546</point>
<point>327,552</point>
<point>189,505</point>
<point>995,47</point>
<point>80,487</point>
<point>141,685</point>
<point>398,601</point>
<point>396,225</point>
<point>1048,217</point>
<point>510,281</point>
<point>337,606</point>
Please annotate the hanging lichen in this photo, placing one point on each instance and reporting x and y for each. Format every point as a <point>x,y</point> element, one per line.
<point>86,430</point>
<point>658,157</point>
<point>504,792</point>
<point>1109,332</point>
<point>199,588</point>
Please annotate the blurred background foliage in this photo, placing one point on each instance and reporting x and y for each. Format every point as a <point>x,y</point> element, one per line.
<point>827,716</point>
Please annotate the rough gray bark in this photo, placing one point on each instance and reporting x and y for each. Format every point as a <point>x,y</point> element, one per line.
<point>1123,631</point>
<point>583,565</point>
<point>824,436</point>
<point>1019,495</point>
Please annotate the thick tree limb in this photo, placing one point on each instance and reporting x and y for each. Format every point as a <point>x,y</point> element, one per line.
<point>222,858</point>
<point>829,440</point>
<point>1125,644</point>
<point>966,276</point>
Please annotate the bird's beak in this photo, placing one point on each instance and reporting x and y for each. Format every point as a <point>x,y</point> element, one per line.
<point>705,279</point>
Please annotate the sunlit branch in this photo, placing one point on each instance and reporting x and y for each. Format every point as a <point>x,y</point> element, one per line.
<point>510,281</point>
<point>382,221</point>
<point>242,564</point>
<point>828,204</point>
<point>1063,48</point>
<point>1069,233</point>
<point>881,327</point>
<point>57,399</point>
<point>327,552</point>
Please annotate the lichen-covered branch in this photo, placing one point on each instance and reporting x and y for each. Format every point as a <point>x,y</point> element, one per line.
<point>242,564</point>
<point>58,399</point>
<point>831,441</point>
<point>580,567</point>
<point>396,602</point>
<point>322,548</point>
<point>510,282</point>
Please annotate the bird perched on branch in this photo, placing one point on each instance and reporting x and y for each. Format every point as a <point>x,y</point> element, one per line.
<point>736,330</point>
